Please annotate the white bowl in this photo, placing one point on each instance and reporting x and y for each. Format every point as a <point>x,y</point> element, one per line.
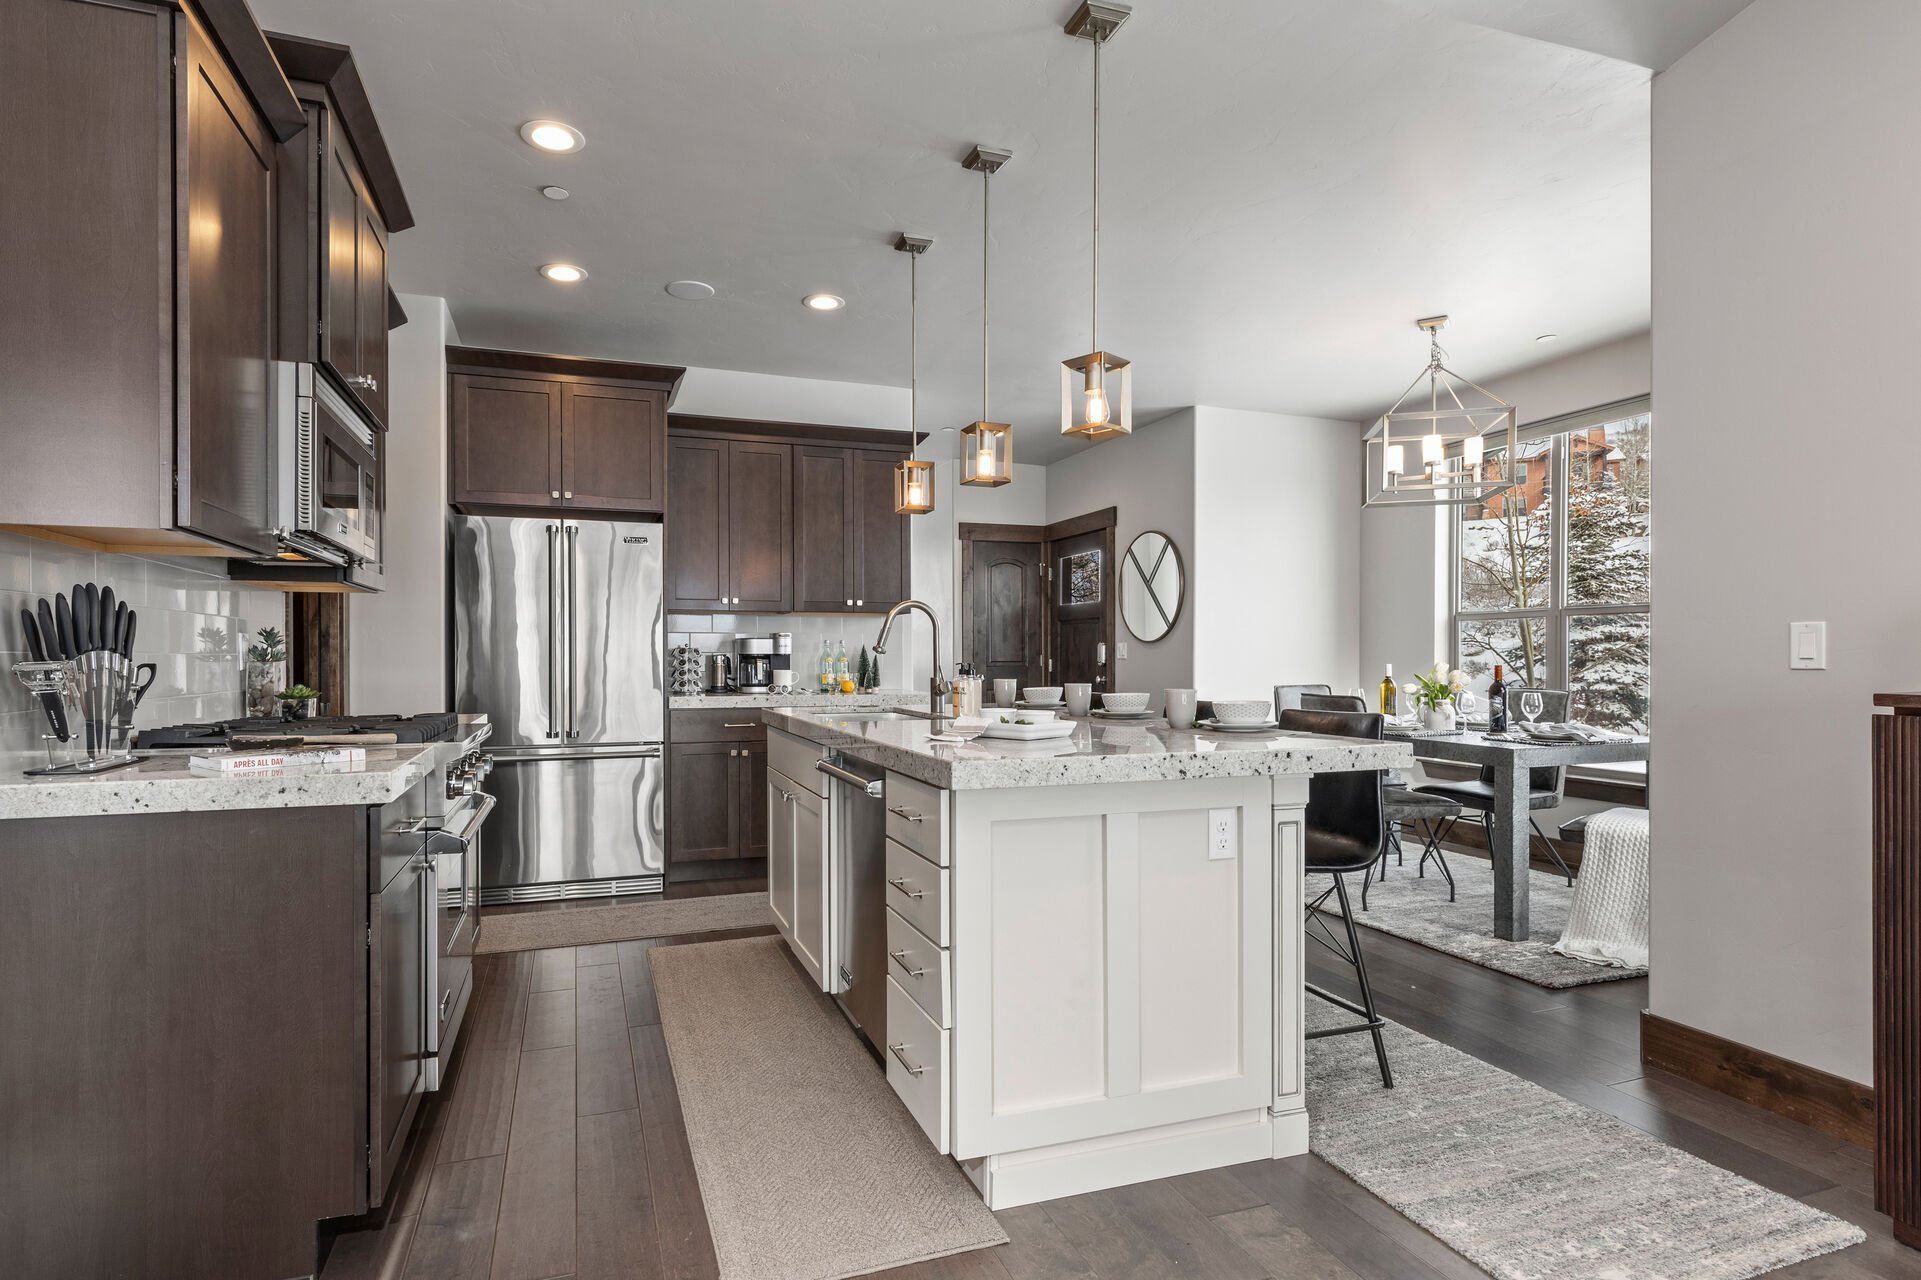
<point>1046,695</point>
<point>1243,711</point>
<point>1125,703</point>
<point>1011,716</point>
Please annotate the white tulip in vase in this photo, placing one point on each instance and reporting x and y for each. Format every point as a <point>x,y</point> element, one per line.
<point>1433,694</point>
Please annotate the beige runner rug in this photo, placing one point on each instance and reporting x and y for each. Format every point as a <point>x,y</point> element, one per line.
<point>810,1167</point>
<point>584,926</point>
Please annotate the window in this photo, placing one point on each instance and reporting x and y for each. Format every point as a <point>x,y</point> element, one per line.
<point>1551,577</point>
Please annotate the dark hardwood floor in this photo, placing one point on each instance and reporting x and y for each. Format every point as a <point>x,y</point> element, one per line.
<point>558,1148</point>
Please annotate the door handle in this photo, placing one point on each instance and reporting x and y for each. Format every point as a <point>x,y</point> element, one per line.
<point>554,726</point>
<point>573,547</point>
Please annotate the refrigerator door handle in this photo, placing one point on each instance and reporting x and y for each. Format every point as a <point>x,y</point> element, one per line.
<point>573,620</point>
<point>554,632</point>
<point>539,755</point>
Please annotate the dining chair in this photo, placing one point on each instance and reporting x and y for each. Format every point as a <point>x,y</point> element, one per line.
<point>1545,786</point>
<point>1345,832</point>
<point>1331,702</point>
<point>1287,697</point>
<point>1402,804</point>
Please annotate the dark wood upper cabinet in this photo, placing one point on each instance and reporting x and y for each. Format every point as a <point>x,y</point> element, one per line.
<point>341,201</point>
<point>881,548</point>
<point>583,435</point>
<point>137,333</point>
<point>760,513</point>
<point>830,513</point>
<point>506,441</point>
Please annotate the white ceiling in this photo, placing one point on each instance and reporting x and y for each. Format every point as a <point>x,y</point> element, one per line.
<point>1287,187</point>
<point>1648,33</point>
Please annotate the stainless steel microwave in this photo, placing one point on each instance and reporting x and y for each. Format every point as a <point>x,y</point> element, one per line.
<point>326,470</point>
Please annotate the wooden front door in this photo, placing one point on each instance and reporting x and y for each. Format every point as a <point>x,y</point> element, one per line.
<point>1006,604</point>
<point>1080,582</point>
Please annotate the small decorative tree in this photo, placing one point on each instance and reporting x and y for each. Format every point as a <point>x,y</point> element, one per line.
<point>266,671</point>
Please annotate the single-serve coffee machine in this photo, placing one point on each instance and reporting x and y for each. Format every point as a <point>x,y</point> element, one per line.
<point>783,674</point>
<point>755,671</point>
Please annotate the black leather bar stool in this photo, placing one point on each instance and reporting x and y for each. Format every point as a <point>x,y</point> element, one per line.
<point>1346,831</point>
<point>1402,806</point>
<point>1545,786</point>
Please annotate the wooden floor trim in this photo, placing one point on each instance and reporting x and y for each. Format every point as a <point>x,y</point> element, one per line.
<point>1833,1104</point>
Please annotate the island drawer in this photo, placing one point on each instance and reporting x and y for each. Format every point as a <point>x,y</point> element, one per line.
<point>917,817</point>
<point>917,889</point>
<point>743,725</point>
<point>917,1065</point>
<point>796,757</point>
<point>919,968</point>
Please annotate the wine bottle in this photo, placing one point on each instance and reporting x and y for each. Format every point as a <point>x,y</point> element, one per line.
<point>1497,703</point>
<point>1388,691</point>
<point>826,668</point>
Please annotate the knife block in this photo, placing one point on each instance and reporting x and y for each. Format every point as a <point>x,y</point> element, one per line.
<point>96,696</point>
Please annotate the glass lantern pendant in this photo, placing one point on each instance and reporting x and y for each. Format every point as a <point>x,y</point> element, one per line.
<point>913,478</point>
<point>1459,449</point>
<point>987,448</point>
<point>1097,389</point>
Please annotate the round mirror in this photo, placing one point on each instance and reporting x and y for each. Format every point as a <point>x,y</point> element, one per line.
<point>1151,586</point>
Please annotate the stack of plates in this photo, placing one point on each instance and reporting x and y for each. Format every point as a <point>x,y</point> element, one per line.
<point>1254,726</point>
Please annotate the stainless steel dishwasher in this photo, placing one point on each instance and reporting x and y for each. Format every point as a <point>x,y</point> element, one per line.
<point>858,883</point>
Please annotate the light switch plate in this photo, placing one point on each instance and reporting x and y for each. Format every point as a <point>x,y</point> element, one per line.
<point>1807,646</point>
<point>1220,834</point>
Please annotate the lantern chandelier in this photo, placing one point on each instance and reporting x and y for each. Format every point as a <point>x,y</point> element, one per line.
<point>913,479</point>
<point>1441,455</point>
<point>987,448</point>
<point>1097,389</point>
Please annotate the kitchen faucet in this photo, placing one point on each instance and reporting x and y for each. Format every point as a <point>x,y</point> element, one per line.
<point>937,687</point>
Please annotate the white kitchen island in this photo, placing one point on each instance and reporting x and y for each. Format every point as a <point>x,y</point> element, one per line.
<point>1095,945</point>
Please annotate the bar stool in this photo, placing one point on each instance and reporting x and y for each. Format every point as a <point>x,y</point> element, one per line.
<point>1346,831</point>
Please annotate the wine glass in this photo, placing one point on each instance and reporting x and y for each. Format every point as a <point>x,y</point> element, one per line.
<point>1531,705</point>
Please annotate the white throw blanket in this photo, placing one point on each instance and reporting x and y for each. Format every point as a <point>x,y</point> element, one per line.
<point>1608,921</point>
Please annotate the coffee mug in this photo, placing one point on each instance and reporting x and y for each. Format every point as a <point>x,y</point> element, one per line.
<point>1079,698</point>
<point>1180,708</point>
<point>1004,691</point>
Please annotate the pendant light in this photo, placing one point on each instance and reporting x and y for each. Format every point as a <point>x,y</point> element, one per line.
<point>913,479</point>
<point>987,448</point>
<point>1097,389</point>
<point>1448,442</point>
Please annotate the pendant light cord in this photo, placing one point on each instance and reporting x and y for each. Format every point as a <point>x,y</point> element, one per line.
<point>913,356</point>
<point>1095,344</point>
<point>987,197</point>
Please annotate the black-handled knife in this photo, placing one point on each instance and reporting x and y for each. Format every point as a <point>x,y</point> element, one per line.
<point>107,638</point>
<point>63,622</point>
<point>126,636</point>
<point>37,649</point>
<point>93,617</point>
<point>48,636</point>
<point>120,616</point>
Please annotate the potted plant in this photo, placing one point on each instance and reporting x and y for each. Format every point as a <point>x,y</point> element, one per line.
<point>298,703</point>
<point>1433,693</point>
<point>266,669</point>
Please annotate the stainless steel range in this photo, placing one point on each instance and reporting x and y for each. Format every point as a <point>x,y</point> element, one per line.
<point>439,823</point>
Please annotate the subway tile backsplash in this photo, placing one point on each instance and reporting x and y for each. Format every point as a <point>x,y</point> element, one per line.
<point>195,625</point>
<point>720,631</point>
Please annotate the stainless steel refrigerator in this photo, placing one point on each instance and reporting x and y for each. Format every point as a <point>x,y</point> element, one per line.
<point>558,636</point>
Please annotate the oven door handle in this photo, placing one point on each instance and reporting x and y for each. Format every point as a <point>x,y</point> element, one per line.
<point>464,823</point>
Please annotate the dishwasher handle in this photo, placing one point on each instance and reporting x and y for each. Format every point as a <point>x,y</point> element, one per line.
<point>872,787</point>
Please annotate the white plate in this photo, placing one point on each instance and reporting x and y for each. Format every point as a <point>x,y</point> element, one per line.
<point>1102,714</point>
<point>1029,732</point>
<point>1041,706</point>
<point>1215,726</point>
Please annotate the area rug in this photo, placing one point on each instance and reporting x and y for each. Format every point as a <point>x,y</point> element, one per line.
<point>1531,1186</point>
<point>809,1166</point>
<point>1416,908</point>
<point>584,926</point>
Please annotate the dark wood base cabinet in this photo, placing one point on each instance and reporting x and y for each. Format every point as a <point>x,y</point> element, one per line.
<point>195,1066</point>
<point>716,793</point>
<point>1897,964</point>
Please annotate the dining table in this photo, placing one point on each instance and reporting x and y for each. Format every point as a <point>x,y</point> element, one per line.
<point>1507,760</point>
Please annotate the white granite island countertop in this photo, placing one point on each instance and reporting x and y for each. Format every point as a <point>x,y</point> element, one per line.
<point>167,784</point>
<point>1145,751</point>
<point>799,698</point>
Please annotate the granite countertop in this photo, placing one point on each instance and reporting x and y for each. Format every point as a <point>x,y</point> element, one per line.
<point>167,784</point>
<point>803,698</point>
<point>1144,751</point>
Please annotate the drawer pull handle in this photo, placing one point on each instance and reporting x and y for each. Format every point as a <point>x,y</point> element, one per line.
<point>908,814</point>
<point>731,725</point>
<point>912,1070</point>
<point>900,958</point>
<point>900,883</point>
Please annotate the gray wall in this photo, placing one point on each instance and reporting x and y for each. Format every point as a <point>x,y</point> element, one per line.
<point>1149,478</point>
<point>1785,260</point>
<point>194,624</point>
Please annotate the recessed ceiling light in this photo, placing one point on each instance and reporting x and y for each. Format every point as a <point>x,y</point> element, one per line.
<point>1547,337</point>
<point>825,301</point>
<point>564,272</point>
<point>555,193</point>
<point>552,135</point>
<point>691,290</point>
